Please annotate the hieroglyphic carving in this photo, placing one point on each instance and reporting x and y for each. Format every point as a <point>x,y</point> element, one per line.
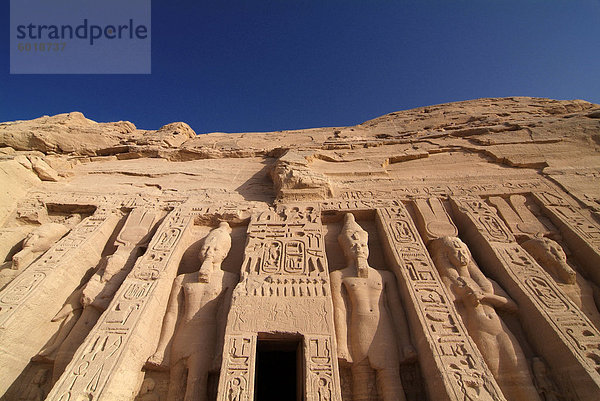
<point>566,213</point>
<point>40,239</point>
<point>550,255</point>
<point>237,380</point>
<point>321,380</point>
<point>478,301</point>
<point>282,286</point>
<point>284,289</point>
<point>412,190</point>
<point>580,232</point>
<point>32,299</point>
<point>306,315</point>
<point>285,242</point>
<point>575,351</point>
<point>533,236</point>
<point>455,368</point>
<point>103,350</point>
<point>195,319</point>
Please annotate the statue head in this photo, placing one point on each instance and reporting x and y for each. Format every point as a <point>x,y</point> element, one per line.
<point>546,246</point>
<point>452,249</point>
<point>550,254</point>
<point>354,242</point>
<point>73,220</point>
<point>214,250</point>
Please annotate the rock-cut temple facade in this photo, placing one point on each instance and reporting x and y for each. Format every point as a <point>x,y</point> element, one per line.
<point>443,253</point>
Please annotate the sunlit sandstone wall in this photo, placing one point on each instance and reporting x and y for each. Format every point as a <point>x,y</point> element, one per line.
<point>453,262</point>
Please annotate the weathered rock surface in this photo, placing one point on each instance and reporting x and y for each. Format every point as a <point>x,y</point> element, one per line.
<point>447,252</point>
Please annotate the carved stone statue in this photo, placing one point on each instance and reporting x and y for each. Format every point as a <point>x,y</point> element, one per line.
<point>147,392</point>
<point>83,308</point>
<point>477,299</point>
<point>40,240</point>
<point>35,391</point>
<point>544,384</point>
<point>550,255</point>
<point>194,324</point>
<point>370,326</point>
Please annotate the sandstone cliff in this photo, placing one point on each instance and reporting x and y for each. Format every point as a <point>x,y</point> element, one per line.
<point>559,139</point>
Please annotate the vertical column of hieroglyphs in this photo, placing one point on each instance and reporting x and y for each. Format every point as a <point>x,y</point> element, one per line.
<point>107,365</point>
<point>28,303</point>
<point>321,381</point>
<point>451,364</point>
<point>284,289</point>
<point>581,233</point>
<point>237,374</point>
<point>558,330</point>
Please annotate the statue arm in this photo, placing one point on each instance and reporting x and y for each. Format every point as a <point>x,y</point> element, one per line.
<point>71,305</point>
<point>478,277</point>
<point>500,299</point>
<point>464,289</point>
<point>395,306</point>
<point>339,316</point>
<point>69,314</point>
<point>160,359</point>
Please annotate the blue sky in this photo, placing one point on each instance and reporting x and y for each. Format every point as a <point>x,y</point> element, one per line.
<point>267,65</point>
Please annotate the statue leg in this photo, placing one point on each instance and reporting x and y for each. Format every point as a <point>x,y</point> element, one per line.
<point>514,377</point>
<point>76,336</point>
<point>361,372</point>
<point>177,375</point>
<point>45,355</point>
<point>197,378</point>
<point>389,385</point>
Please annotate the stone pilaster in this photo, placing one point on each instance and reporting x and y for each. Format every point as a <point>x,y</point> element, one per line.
<point>450,363</point>
<point>556,328</point>
<point>30,301</point>
<point>108,365</point>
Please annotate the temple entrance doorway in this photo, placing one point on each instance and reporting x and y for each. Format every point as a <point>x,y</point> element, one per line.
<point>279,369</point>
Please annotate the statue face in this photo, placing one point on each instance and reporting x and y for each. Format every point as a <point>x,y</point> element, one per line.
<point>555,250</point>
<point>359,244</point>
<point>459,254</point>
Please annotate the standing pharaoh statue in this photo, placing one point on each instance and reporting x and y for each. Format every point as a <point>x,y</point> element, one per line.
<point>194,324</point>
<point>477,299</point>
<point>84,307</point>
<point>371,329</point>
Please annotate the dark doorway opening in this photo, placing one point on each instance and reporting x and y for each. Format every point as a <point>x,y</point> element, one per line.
<point>278,372</point>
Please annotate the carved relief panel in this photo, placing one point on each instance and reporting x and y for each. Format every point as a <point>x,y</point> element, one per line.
<point>552,318</point>
<point>284,289</point>
<point>110,344</point>
<point>237,380</point>
<point>455,369</point>
<point>543,241</point>
<point>579,231</point>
